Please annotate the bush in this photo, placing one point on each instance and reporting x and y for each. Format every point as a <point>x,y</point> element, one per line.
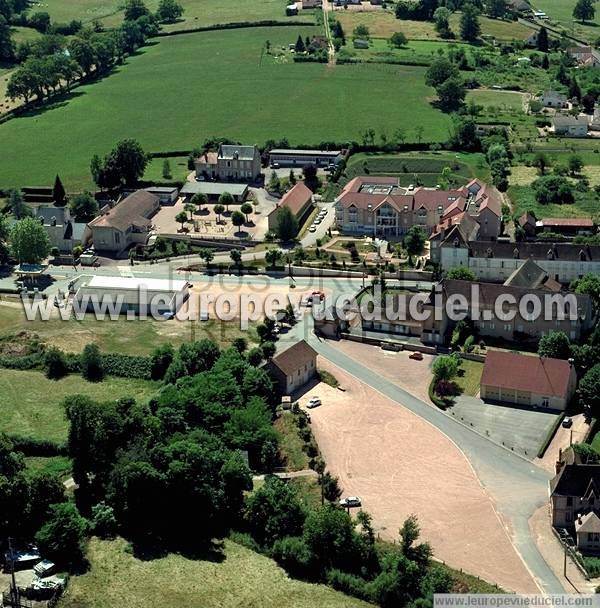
<point>293,554</point>
<point>127,366</point>
<point>33,361</point>
<point>350,584</point>
<point>92,368</point>
<point>55,364</point>
<point>31,446</point>
<point>592,565</point>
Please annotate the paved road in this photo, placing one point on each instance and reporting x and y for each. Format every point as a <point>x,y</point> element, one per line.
<point>517,486</point>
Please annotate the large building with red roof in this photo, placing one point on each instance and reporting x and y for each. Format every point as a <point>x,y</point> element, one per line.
<point>527,380</point>
<point>379,206</point>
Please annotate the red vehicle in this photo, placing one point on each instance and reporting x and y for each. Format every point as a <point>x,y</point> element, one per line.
<point>417,356</point>
<point>318,294</point>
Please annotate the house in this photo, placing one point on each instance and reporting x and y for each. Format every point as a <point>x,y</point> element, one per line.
<point>567,226</point>
<point>292,368</point>
<point>518,6</point>
<point>127,223</point>
<point>461,226</point>
<point>301,158</point>
<point>496,260</point>
<point>531,40</point>
<point>569,126</point>
<point>230,163</point>
<point>553,99</point>
<point>585,56</point>
<point>299,200</point>
<point>527,223</point>
<point>166,194</point>
<point>213,190</point>
<point>142,296</point>
<point>306,4</point>
<point>379,206</point>
<point>532,276</point>
<point>528,380</point>
<point>62,229</point>
<point>575,503</point>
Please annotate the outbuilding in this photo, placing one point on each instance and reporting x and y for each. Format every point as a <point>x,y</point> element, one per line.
<point>527,380</point>
<point>294,367</point>
<point>139,295</point>
<point>300,158</point>
<point>166,195</point>
<point>213,190</point>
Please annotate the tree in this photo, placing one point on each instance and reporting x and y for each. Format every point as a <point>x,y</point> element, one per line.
<point>414,241</point>
<point>29,242</point>
<point>268,349</point>
<point>63,536</point>
<point>555,344</point>
<point>226,199</point>
<point>92,367</point>
<point>16,204</point>
<point>274,512</point>
<point>462,273</point>
<point>575,163</point>
<point>238,219</point>
<point>311,179</point>
<point>286,224</point>
<point>7,46</point>
<point>236,256</point>
<point>588,102</point>
<point>330,487</point>
<point>589,389</point>
<point>441,18</point>
<point>470,28</point>
<point>247,209</point>
<point>299,48</point>
<point>361,32</point>
<point>588,284</point>
<point>190,208</point>
<point>398,40</point>
<point>160,360</point>
<point>451,94</point>
<point>182,218</point>
<point>104,523</point>
<point>58,192</point>
<point>274,185</point>
<point>440,70</point>
<point>200,199</point>
<point>84,207</point>
<point>496,8</point>
<point>166,169</point>
<point>574,90</point>
<point>272,256</point>
<point>584,10</point>
<point>542,40</point>
<point>255,356</point>
<point>125,164</point>
<point>445,368</point>
<point>207,255</point>
<point>553,189</point>
<point>55,363</point>
<point>219,209</point>
<point>40,21</point>
<point>540,160</point>
<point>134,9</point>
<point>169,11</point>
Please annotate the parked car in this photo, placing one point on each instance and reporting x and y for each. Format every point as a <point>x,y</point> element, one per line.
<point>312,229</point>
<point>168,315</point>
<point>204,316</point>
<point>314,402</point>
<point>567,422</point>
<point>44,568</point>
<point>275,165</point>
<point>417,356</point>
<point>350,501</point>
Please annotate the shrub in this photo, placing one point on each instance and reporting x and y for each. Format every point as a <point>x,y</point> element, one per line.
<point>293,554</point>
<point>350,584</point>
<point>55,363</point>
<point>31,446</point>
<point>469,344</point>
<point>92,368</point>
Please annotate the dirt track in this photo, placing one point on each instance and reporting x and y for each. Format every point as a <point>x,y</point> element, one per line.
<point>399,464</point>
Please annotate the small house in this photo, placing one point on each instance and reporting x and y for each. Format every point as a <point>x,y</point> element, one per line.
<point>569,126</point>
<point>294,367</point>
<point>553,99</point>
<point>360,44</point>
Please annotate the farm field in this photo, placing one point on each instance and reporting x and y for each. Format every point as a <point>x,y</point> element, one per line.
<point>30,404</point>
<point>230,578</point>
<point>197,14</point>
<point>267,98</point>
<point>127,337</point>
<point>506,100</point>
<point>560,13</point>
<point>501,30</point>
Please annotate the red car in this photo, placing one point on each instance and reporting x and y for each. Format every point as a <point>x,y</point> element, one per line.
<point>417,356</point>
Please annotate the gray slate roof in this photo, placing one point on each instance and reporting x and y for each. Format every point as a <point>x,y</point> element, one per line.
<point>227,151</point>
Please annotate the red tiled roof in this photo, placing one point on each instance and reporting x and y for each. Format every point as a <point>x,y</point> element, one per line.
<point>568,221</point>
<point>296,198</point>
<point>539,375</point>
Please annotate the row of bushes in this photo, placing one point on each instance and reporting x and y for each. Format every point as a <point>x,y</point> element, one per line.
<point>113,364</point>
<point>31,446</point>
<point>236,25</point>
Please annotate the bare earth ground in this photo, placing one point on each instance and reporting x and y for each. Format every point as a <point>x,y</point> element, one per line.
<point>562,440</point>
<point>552,552</point>
<point>399,465</point>
<point>412,376</point>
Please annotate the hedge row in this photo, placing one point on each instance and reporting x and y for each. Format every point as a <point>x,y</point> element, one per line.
<point>31,446</point>
<point>115,364</point>
<point>236,25</point>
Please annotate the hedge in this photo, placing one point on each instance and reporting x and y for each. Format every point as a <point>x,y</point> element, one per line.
<point>31,446</point>
<point>236,25</point>
<point>33,361</point>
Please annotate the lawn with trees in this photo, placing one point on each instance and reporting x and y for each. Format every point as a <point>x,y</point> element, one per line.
<point>232,59</point>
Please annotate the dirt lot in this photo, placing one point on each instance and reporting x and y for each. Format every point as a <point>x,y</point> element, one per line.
<point>399,464</point>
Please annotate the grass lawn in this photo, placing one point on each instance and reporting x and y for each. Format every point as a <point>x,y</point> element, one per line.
<point>291,445</point>
<point>24,34</point>
<point>585,205</point>
<point>179,169</point>
<point>138,337</point>
<point>234,578</point>
<point>470,381</point>
<point>383,23</point>
<point>560,13</point>
<point>426,166</point>
<point>196,14</point>
<point>56,465</point>
<point>498,99</point>
<point>501,30</point>
<point>30,404</point>
<point>163,99</point>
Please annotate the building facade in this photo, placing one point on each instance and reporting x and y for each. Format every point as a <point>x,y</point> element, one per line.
<point>230,163</point>
<point>300,158</point>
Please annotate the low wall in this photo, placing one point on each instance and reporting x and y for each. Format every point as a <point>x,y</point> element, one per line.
<point>428,350</point>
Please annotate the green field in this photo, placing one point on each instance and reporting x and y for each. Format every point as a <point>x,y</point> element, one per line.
<point>179,169</point>
<point>560,13</point>
<point>506,100</point>
<point>30,404</point>
<point>196,13</point>
<point>585,205</point>
<point>139,337</point>
<point>234,578</point>
<point>180,91</point>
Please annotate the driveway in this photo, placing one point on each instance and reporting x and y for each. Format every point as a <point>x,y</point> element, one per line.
<point>399,464</point>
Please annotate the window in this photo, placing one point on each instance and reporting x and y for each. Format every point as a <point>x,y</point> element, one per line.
<point>117,238</point>
<point>569,501</point>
